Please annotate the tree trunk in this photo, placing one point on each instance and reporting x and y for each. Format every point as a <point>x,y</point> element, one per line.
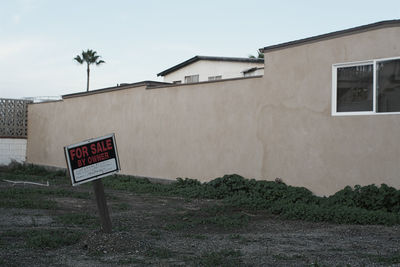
<point>88,71</point>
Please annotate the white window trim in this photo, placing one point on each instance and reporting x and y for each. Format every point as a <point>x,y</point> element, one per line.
<point>215,78</point>
<point>334,88</point>
<point>191,78</point>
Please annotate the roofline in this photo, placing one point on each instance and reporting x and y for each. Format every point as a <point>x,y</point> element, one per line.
<point>331,35</point>
<point>196,58</point>
<point>203,82</point>
<point>147,84</point>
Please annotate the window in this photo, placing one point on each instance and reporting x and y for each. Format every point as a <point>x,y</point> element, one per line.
<point>177,82</point>
<point>192,79</point>
<point>213,78</point>
<point>369,87</point>
<point>354,88</point>
<point>388,86</point>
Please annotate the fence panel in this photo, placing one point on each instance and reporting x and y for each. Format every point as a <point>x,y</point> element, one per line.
<point>13,118</point>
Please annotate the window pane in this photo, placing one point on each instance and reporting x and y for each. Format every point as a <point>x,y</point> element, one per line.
<point>388,86</point>
<point>354,88</point>
<point>192,79</point>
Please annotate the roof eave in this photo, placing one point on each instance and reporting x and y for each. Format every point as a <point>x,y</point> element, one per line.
<point>146,84</point>
<point>331,35</point>
<point>180,65</point>
<point>196,58</point>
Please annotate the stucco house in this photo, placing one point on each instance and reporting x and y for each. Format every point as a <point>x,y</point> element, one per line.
<point>206,68</point>
<point>325,114</point>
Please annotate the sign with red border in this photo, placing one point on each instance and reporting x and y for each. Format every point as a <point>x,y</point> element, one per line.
<point>92,159</point>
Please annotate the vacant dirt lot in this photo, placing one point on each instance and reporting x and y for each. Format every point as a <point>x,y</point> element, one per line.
<point>169,231</point>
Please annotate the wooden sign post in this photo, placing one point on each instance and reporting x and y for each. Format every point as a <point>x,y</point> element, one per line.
<point>91,160</point>
<point>102,206</point>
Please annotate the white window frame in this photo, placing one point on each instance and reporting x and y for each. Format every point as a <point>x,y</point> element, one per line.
<point>215,78</point>
<point>374,80</point>
<point>189,78</point>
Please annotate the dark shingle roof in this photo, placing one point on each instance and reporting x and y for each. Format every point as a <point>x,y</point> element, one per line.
<point>196,58</point>
<point>368,27</point>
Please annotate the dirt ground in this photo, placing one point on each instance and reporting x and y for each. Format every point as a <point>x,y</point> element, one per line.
<point>159,231</point>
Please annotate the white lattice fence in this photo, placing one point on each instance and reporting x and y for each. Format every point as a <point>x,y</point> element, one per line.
<point>13,118</point>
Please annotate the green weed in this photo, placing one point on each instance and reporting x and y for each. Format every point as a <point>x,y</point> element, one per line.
<point>386,259</point>
<point>219,216</point>
<point>27,203</point>
<point>358,205</point>
<point>355,205</point>
<point>78,219</point>
<point>41,238</point>
<point>122,206</point>
<point>220,258</point>
<point>52,238</point>
<point>155,233</point>
<point>11,192</point>
<point>35,198</point>
<point>133,184</point>
<point>162,253</point>
<point>370,197</point>
<point>35,173</point>
<point>131,260</point>
<point>282,256</point>
<point>316,264</point>
<point>239,238</point>
<point>197,236</point>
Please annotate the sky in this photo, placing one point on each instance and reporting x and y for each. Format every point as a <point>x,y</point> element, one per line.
<point>138,39</point>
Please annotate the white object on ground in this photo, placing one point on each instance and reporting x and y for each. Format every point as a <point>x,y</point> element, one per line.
<point>26,182</point>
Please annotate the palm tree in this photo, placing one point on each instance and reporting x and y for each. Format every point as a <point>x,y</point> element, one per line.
<point>260,55</point>
<point>89,57</point>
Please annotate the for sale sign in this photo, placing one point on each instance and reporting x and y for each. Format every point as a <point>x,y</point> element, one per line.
<point>92,159</point>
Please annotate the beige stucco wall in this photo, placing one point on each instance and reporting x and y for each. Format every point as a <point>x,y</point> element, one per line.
<point>279,125</point>
<point>170,132</point>
<point>307,145</point>
<point>207,68</point>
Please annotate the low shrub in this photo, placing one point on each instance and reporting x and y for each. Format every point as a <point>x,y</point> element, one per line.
<point>336,214</point>
<point>368,197</point>
<point>369,204</point>
<point>355,205</point>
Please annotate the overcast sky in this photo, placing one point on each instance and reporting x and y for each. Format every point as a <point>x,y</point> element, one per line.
<point>138,39</point>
